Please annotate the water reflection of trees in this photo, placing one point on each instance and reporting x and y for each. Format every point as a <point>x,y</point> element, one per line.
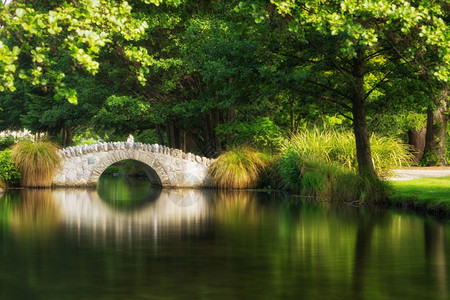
<point>242,242</point>
<point>436,261</point>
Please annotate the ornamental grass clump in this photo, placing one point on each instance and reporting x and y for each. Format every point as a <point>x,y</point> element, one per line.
<point>238,168</point>
<point>37,162</point>
<point>340,148</point>
<point>323,165</point>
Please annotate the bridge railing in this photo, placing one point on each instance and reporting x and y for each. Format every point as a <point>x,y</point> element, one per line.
<point>117,146</point>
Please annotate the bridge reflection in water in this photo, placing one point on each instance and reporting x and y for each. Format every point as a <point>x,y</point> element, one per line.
<point>86,213</point>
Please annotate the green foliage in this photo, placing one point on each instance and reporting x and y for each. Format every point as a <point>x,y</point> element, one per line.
<point>323,164</point>
<point>37,162</point>
<point>262,133</point>
<point>9,173</point>
<point>238,168</point>
<point>389,153</point>
<point>78,30</point>
<point>124,114</point>
<point>359,26</point>
<point>334,147</point>
<point>147,137</point>
<point>329,181</point>
<point>6,142</point>
<point>126,168</point>
<point>430,159</point>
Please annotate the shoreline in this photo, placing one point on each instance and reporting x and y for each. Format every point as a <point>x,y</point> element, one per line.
<point>438,210</point>
<point>426,208</point>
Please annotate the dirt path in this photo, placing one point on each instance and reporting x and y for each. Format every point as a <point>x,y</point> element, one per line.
<point>420,172</point>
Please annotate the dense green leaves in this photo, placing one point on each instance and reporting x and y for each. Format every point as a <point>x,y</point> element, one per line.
<point>205,75</point>
<point>78,29</point>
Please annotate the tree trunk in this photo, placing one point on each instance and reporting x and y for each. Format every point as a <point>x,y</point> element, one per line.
<point>436,137</point>
<point>363,152</point>
<point>176,137</point>
<point>159,133</point>
<point>170,135</point>
<point>435,255</point>
<point>63,137</point>
<point>216,121</point>
<point>416,138</point>
<point>69,137</point>
<point>231,119</point>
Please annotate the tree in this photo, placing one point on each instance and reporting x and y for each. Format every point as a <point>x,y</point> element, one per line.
<point>364,42</point>
<point>33,39</point>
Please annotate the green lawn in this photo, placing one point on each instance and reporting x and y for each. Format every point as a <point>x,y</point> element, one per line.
<point>424,189</point>
<point>428,195</point>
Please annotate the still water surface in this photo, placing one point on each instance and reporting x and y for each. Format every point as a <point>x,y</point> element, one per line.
<point>127,240</point>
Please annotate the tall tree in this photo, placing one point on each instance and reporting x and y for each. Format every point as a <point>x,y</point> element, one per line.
<point>361,40</point>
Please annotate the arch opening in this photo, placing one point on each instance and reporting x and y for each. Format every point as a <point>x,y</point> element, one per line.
<point>127,193</point>
<point>133,168</point>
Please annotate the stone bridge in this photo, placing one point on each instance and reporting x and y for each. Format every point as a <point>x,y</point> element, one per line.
<point>166,167</point>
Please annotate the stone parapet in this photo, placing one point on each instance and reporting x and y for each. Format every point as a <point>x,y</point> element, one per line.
<point>167,167</point>
<point>113,146</point>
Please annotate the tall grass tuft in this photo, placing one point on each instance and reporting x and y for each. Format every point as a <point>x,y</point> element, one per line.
<point>323,165</point>
<point>37,162</point>
<point>340,148</point>
<point>238,168</point>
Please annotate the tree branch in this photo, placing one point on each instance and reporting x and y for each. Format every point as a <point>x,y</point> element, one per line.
<point>376,53</point>
<point>323,97</point>
<point>377,85</point>
<point>329,88</point>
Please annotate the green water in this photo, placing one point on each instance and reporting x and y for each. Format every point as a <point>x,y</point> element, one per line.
<point>131,241</point>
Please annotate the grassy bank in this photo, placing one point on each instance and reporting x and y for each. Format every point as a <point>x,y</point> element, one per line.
<point>313,163</point>
<point>425,195</point>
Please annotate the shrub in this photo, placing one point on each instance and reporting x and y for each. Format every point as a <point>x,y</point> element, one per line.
<point>9,173</point>
<point>238,168</point>
<point>6,142</point>
<point>37,162</point>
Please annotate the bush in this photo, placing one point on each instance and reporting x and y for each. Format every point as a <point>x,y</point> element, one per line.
<point>9,173</point>
<point>6,142</point>
<point>37,162</point>
<point>238,168</point>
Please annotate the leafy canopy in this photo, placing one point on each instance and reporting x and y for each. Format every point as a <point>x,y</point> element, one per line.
<point>32,39</point>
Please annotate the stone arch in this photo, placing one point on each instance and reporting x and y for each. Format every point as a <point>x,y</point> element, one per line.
<point>155,171</point>
<point>83,165</point>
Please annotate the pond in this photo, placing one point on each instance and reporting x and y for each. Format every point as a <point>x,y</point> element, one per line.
<point>127,240</point>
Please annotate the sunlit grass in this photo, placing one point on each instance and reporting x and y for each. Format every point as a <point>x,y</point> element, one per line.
<point>424,189</point>
<point>323,164</point>
<point>37,162</point>
<point>238,168</point>
<point>339,148</point>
